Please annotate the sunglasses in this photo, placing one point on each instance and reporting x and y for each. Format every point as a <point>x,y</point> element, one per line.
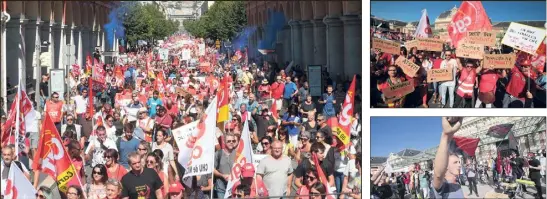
<point>265,143</point>
<point>151,162</point>
<point>311,178</point>
<point>303,138</point>
<point>56,97</point>
<point>230,141</point>
<point>239,195</point>
<point>71,193</point>
<point>95,172</point>
<point>69,119</point>
<point>392,70</point>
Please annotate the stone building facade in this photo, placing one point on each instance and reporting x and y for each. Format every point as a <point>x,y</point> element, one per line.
<point>326,33</point>
<point>39,21</point>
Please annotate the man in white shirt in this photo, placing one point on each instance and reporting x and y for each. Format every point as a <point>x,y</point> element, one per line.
<point>81,101</point>
<point>98,146</point>
<point>448,63</point>
<point>8,156</point>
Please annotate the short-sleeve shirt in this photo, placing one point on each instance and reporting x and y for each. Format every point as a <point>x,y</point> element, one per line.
<point>275,174</point>
<point>448,190</point>
<point>142,186</point>
<point>153,103</point>
<point>289,90</point>
<point>98,153</point>
<point>127,147</point>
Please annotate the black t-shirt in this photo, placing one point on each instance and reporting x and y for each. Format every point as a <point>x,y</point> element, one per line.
<point>306,108</point>
<point>141,186</point>
<point>534,173</point>
<point>44,86</point>
<point>301,169</point>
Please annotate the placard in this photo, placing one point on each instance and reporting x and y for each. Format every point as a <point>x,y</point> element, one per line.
<point>502,61</point>
<point>487,38</point>
<point>439,75</point>
<point>314,80</point>
<point>164,54</point>
<point>472,51</point>
<point>386,46</point>
<point>186,54</point>
<point>428,44</point>
<point>57,82</point>
<point>408,67</point>
<point>398,90</point>
<point>201,49</point>
<point>410,44</point>
<point>523,37</point>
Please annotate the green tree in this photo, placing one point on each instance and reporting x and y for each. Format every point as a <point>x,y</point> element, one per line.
<point>222,21</point>
<point>147,22</point>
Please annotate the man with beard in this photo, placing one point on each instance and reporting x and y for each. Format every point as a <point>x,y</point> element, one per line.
<point>141,182</point>
<point>8,156</point>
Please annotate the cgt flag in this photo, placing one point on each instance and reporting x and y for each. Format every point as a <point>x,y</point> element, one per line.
<point>322,177</point>
<point>470,17</point>
<point>17,185</point>
<point>52,158</point>
<point>244,154</point>
<point>344,122</point>
<point>464,145</point>
<point>223,97</point>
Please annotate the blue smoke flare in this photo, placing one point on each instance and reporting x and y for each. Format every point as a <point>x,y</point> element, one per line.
<point>240,41</point>
<point>115,24</point>
<point>276,21</point>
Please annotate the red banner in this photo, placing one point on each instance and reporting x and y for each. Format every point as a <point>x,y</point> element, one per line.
<point>321,176</point>
<point>52,158</point>
<point>345,119</point>
<point>470,17</point>
<point>76,70</point>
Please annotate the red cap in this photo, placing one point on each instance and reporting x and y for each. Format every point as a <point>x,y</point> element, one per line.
<point>248,170</point>
<point>176,188</point>
<point>525,62</point>
<point>230,125</point>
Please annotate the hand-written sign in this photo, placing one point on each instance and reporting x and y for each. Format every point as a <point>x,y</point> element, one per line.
<point>523,37</point>
<point>430,44</point>
<point>408,67</point>
<point>503,61</point>
<point>386,46</point>
<point>487,38</point>
<point>473,51</point>
<point>410,44</point>
<point>398,90</point>
<point>437,75</point>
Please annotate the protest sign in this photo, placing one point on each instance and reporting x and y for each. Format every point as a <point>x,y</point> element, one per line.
<point>386,46</point>
<point>164,54</point>
<point>410,44</point>
<point>201,49</point>
<point>122,59</point>
<point>472,51</point>
<point>487,38</point>
<point>428,44</point>
<point>186,54</point>
<point>398,90</point>
<point>408,67</point>
<point>181,134</point>
<point>502,61</point>
<point>438,75</point>
<point>523,37</point>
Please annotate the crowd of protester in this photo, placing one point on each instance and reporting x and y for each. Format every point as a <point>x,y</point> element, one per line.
<point>120,153</point>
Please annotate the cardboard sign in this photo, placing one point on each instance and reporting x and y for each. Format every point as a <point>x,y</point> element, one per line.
<point>409,68</point>
<point>164,54</point>
<point>438,75</point>
<point>428,44</point>
<point>398,90</point>
<point>472,51</point>
<point>503,61</point>
<point>487,38</point>
<point>523,37</point>
<point>386,46</point>
<point>182,91</point>
<point>410,44</point>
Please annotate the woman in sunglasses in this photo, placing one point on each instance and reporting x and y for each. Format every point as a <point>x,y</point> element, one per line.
<point>266,143</point>
<point>309,179</point>
<point>288,147</point>
<point>115,170</point>
<point>318,191</point>
<point>43,193</point>
<point>97,187</point>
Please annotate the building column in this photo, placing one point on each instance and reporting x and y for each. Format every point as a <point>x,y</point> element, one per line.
<point>307,44</point>
<point>57,37</point>
<point>352,45</point>
<point>3,64</point>
<point>15,29</point>
<point>33,50</point>
<point>286,42</point>
<point>320,43</point>
<point>296,41</point>
<point>335,52</point>
<point>103,45</point>
<point>51,47</point>
<point>80,55</point>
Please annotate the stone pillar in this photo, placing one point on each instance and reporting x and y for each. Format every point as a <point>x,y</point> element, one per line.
<point>80,55</point>
<point>296,40</point>
<point>286,40</point>
<point>51,48</point>
<point>352,45</point>
<point>3,64</point>
<point>103,45</point>
<point>335,51</point>
<point>57,33</point>
<point>307,44</point>
<point>320,43</point>
<point>15,58</point>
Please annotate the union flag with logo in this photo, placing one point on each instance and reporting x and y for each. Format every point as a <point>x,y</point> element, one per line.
<point>471,16</point>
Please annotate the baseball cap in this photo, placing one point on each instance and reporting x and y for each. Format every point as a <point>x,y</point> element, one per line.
<point>248,170</point>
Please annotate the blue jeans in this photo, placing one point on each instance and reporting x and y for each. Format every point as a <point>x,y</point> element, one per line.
<point>509,99</point>
<point>443,89</point>
<point>338,180</point>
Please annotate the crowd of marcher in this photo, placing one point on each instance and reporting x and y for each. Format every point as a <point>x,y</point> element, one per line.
<point>124,147</point>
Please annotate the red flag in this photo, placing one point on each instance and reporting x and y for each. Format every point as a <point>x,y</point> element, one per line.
<point>273,109</point>
<point>498,163</point>
<point>52,158</point>
<point>470,17</point>
<point>223,97</point>
<point>464,145</point>
<point>24,108</point>
<point>321,175</point>
<point>345,119</point>
<point>90,106</point>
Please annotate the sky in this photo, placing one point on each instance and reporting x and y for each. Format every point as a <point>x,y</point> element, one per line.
<point>409,11</point>
<point>393,134</point>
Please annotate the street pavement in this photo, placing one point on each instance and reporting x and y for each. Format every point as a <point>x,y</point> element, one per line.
<point>484,189</point>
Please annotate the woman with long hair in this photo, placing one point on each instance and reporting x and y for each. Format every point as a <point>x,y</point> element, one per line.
<point>114,169</point>
<point>166,148</point>
<point>143,149</point>
<point>97,187</point>
<point>288,147</point>
<point>266,143</point>
<point>394,77</point>
<point>318,191</point>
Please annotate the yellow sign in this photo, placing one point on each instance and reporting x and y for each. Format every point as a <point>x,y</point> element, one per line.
<point>217,44</point>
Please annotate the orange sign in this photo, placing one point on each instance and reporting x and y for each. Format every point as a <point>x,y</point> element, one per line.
<point>398,90</point>
<point>503,61</point>
<point>386,46</point>
<point>472,51</point>
<point>487,38</point>
<point>438,75</point>
<point>409,68</point>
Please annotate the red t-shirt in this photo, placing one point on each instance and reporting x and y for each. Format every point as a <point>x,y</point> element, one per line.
<point>118,173</point>
<point>164,121</point>
<point>517,84</point>
<point>78,165</point>
<point>262,190</point>
<point>264,91</point>
<point>488,81</point>
<point>437,63</point>
<point>277,90</point>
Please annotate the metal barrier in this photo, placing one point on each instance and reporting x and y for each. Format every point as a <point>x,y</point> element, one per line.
<point>297,196</point>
